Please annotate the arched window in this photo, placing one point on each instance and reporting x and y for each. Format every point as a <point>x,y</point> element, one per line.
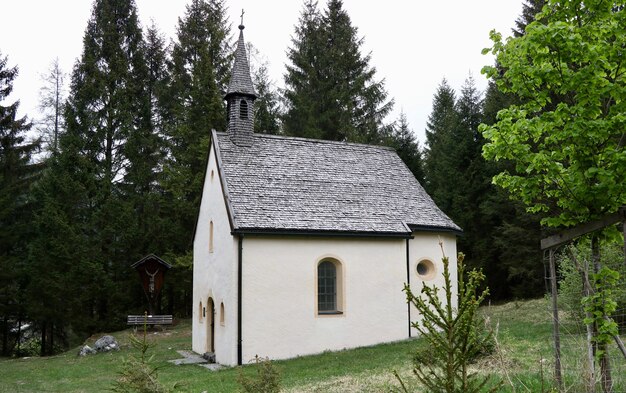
<point>222,317</point>
<point>211,236</point>
<point>243,109</point>
<point>329,291</point>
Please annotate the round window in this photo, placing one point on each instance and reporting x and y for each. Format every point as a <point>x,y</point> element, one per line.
<point>426,269</point>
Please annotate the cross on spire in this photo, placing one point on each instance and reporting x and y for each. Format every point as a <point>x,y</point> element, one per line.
<point>242,12</point>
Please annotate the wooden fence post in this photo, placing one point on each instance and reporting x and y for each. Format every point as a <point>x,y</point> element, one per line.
<point>555,317</point>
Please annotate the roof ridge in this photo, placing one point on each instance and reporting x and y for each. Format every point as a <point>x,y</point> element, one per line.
<point>321,141</point>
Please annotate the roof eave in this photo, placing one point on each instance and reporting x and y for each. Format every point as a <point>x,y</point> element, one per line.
<point>434,228</point>
<point>319,233</point>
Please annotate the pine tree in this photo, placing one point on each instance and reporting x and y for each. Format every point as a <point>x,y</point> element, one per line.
<point>405,143</point>
<point>17,174</point>
<point>331,90</point>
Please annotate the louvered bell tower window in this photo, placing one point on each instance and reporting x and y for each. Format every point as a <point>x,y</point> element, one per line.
<point>243,109</point>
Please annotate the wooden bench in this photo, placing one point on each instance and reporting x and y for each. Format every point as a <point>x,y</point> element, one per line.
<point>149,320</point>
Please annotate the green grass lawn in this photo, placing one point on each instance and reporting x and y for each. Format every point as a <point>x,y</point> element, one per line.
<point>524,334</point>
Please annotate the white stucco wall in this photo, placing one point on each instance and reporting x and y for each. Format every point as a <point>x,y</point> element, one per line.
<point>215,273</point>
<point>280,318</point>
<point>425,246</point>
<point>279,292</point>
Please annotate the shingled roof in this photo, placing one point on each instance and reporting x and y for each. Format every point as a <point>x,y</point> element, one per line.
<point>240,80</point>
<point>296,185</point>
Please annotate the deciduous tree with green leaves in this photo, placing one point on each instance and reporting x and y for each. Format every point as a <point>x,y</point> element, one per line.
<point>566,138</point>
<point>565,135</point>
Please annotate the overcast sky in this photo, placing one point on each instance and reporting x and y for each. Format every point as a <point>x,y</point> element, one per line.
<point>414,44</point>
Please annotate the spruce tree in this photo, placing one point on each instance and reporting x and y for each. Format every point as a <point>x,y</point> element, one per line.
<point>17,174</point>
<point>437,159</point>
<point>107,107</point>
<point>331,89</point>
<point>200,71</point>
<point>530,8</point>
<point>302,82</point>
<point>145,151</point>
<point>405,143</point>
<point>266,106</point>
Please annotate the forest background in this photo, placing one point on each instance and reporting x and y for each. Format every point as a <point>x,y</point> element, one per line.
<point>118,165</point>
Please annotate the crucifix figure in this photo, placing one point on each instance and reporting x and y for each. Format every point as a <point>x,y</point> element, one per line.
<point>151,284</point>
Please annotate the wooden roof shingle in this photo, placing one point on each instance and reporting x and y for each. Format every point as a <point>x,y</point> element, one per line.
<point>291,185</point>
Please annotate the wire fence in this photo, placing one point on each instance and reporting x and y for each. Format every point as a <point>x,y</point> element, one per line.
<point>580,363</point>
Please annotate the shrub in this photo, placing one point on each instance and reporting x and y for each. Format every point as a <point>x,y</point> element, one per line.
<point>267,379</point>
<point>138,375</point>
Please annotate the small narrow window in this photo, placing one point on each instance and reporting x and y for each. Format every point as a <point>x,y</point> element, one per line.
<point>222,314</point>
<point>200,312</point>
<point>212,174</point>
<point>211,236</point>
<point>329,299</point>
<point>243,109</point>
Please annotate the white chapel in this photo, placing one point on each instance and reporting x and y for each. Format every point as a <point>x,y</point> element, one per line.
<point>303,245</point>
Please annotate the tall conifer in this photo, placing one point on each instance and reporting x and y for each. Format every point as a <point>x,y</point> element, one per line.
<point>17,174</point>
<point>441,122</point>
<point>407,146</point>
<point>200,71</point>
<point>107,108</point>
<point>331,89</point>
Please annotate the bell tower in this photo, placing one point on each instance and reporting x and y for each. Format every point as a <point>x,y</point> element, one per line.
<point>240,97</point>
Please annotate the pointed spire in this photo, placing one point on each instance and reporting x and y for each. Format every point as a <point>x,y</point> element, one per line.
<point>240,80</point>
<point>240,97</point>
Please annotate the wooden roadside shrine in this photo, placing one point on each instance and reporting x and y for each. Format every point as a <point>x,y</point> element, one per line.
<point>551,244</point>
<point>151,270</point>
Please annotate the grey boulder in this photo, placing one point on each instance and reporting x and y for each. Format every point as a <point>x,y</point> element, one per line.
<point>86,350</point>
<point>106,344</point>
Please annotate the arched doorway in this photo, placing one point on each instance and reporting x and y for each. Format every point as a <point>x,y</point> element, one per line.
<point>210,340</point>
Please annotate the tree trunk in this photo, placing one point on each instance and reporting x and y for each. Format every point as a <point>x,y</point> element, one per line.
<point>5,334</point>
<point>18,339</point>
<point>51,340</point>
<point>605,364</point>
<point>43,339</point>
<point>591,378</point>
